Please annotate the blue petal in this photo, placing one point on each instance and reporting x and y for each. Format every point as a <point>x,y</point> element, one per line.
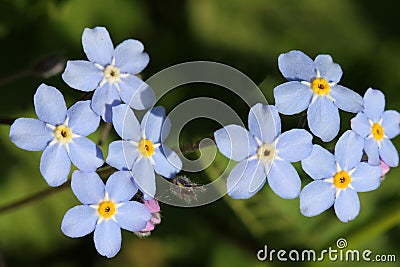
<point>87,187</point>
<point>366,177</point>
<point>246,179</point>
<point>84,154</point>
<point>372,151</point>
<point>50,105</point>
<point>79,221</point>
<point>130,58</point>
<point>235,142</point>
<point>97,45</point>
<point>120,187</point>
<point>374,104</point>
<point>82,75</point>
<point>284,179</point>
<point>316,197</point>
<point>264,122</point>
<point>125,123</point>
<point>349,150</point>
<point>360,125</point>
<point>167,162</point>
<point>122,155</point>
<point>30,134</point>
<point>292,97</point>
<point>82,119</point>
<point>294,145</point>
<point>297,66</point>
<point>143,175</point>
<point>323,119</point>
<point>320,164</point>
<point>389,153</point>
<point>107,238</point>
<point>55,165</point>
<point>152,123</point>
<point>346,99</point>
<point>391,123</point>
<point>136,93</point>
<point>328,70</point>
<point>132,216</point>
<point>104,99</point>
<point>347,205</point>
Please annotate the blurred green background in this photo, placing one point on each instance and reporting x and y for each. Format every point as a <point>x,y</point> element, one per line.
<point>362,36</point>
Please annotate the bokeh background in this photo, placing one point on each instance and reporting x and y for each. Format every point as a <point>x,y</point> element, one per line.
<point>362,36</point>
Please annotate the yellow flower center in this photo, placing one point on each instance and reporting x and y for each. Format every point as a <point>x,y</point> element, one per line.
<point>146,147</point>
<point>320,86</point>
<point>106,209</point>
<point>377,131</point>
<point>341,179</point>
<point>112,74</point>
<point>63,134</point>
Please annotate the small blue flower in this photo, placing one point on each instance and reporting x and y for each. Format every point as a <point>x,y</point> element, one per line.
<point>106,209</point>
<point>61,133</point>
<point>377,127</point>
<point>338,178</point>
<point>314,85</point>
<point>141,149</point>
<point>263,152</point>
<point>110,73</point>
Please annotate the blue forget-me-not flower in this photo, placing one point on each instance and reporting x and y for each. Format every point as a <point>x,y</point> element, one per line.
<point>263,152</point>
<point>61,133</point>
<point>314,85</point>
<point>338,178</point>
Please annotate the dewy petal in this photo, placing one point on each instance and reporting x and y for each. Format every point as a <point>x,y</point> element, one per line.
<point>292,97</point>
<point>85,154</point>
<point>125,123</point>
<point>235,142</point>
<point>366,177</point>
<point>294,145</point>
<point>82,75</point>
<point>349,150</point>
<point>166,162</point>
<point>104,99</point>
<point>119,187</point>
<point>136,93</point>
<point>323,119</point>
<point>320,164</point>
<point>374,104</point>
<point>360,125</point>
<point>122,155</point>
<point>152,123</point>
<point>372,151</point>
<point>296,66</point>
<point>346,99</point>
<point>30,134</point>
<point>133,216</point>
<point>391,123</point>
<point>130,58</point>
<point>246,179</point>
<point>264,122</point>
<point>55,165</point>
<point>97,45</point>
<point>389,153</point>
<point>316,197</point>
<point>284,179</point>
<point>328,70</point>
<point>347,205</point>
<point>143,174</point>
<point>82,119</point>
<point>87,187</point>
<point>107,238</point>
<point>50,105</point>
<point>79,221</point>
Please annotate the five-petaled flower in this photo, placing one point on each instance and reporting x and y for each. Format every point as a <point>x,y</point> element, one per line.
<point>141,149</point>
<point>61,133</point>
<point>110,72</point>
<point>338,178</point>
<point>314,85</point>
<point>377,127</point>
<point>263,152</point>
<point>106,209</point>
